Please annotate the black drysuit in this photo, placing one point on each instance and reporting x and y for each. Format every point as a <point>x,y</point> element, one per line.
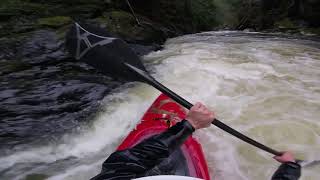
<point>150,157</point>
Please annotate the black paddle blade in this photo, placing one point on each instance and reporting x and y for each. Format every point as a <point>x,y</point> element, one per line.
<point>97,48</point>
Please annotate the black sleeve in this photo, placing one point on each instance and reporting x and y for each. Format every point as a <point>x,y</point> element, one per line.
<point>134,162</point>
<point>287,171</point>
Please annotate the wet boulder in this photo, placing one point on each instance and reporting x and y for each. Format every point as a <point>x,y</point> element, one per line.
<point>124,25</point>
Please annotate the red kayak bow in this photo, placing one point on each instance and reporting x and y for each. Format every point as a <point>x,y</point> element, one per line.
<point>162,114</point>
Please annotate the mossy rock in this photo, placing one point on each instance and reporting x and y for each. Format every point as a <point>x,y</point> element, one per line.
<point>54,22</point>
<point>124,25</point>
<point>285,24</point>
<point>8,67</point>
<point>62,31</point>
<point>85,11</point>
<point>120,22</point>
<point>36,177</point>
<point>311,31</point>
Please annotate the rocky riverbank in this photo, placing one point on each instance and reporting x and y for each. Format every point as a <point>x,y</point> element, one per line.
<point>152,21</point>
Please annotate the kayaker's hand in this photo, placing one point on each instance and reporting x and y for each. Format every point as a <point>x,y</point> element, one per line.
<point>200,116</point>
<point>285,157</point>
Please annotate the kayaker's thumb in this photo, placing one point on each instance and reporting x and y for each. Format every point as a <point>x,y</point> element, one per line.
<point>285,157</point>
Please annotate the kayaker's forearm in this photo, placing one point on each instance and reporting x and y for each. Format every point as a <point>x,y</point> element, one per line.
<point>152,150</point>
<point>136,161</point>
<point>288,171</point>
<point>176,135</point>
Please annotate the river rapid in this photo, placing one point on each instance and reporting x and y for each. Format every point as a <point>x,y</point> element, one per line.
<point>267,86</point>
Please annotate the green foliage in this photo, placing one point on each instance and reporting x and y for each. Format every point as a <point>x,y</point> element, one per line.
<point>209,14</point>
<point>39,8</point>
<point>178,16</point>
<point>227,14</point>
<point>204,14</point>
<point>11,8</point>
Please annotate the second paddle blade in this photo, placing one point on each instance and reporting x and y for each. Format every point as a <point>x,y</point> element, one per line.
<point>105,53</point>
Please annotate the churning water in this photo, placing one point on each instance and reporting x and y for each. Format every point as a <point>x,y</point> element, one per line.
<point>266,86</point>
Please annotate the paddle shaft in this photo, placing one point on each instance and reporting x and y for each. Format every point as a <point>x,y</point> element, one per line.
<point>122,56</point>
<point>151,81</point>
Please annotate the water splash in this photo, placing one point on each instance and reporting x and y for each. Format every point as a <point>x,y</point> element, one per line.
<point>266,86</point>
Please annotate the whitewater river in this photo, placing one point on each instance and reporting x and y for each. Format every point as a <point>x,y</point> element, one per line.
<point>266,86</point>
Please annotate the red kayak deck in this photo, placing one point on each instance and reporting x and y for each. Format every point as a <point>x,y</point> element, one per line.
<point>163,113</point>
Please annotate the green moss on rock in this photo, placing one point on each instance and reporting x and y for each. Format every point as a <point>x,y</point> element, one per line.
<point>36,177</point>
<point>54,22</point>
<point>311,31</point>
<point>119,23</point>
<point>61,32</point>
<point>16,8</point>
<point>203,14</point>
<point>285,24</point>
<point>124,25</point>
<point>12,66</point>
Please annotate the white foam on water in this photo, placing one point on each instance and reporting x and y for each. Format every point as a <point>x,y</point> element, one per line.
<point>267,88</point>
<point>121,112</point>
<point>258,87</point>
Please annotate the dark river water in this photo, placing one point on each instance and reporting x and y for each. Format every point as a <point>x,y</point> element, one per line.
<point>59,118</point>
<point>43,93</point>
